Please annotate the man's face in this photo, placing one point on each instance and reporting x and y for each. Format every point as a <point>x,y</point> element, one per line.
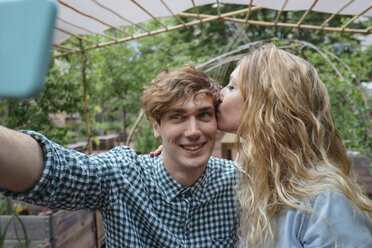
<point>188,133</point>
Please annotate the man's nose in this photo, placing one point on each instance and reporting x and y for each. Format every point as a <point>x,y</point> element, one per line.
<point>192,129</point>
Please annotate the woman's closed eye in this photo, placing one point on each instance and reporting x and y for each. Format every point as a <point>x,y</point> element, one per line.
<point>230,87</point>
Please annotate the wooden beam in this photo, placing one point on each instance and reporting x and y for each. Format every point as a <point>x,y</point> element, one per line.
<point>196,10</point>
<point>86,30</point>
<point>139,36</point>
<point>75,35</point>
<point>291,25</point>
<point>356,17</point>
<point>66,48</point>
<point>171,12</point>
<point>232,13</point>
<point>120,16</point>
<point>306,13</point>
<point>148,12</point>
<point>218,8</point>
<point>334,14</point>
<point>249,11</point>
<point>91,17</point>
<point>224,17</point>
<point>281,11</point>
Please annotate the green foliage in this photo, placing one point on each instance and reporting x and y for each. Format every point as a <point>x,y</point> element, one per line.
<point>144,140</point>
<point>3,207</point>
<point>23,241</point>
<point>4,232</point>
<point>25,237</point>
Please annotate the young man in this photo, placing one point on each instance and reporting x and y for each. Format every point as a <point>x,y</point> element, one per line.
<point>182,198</point>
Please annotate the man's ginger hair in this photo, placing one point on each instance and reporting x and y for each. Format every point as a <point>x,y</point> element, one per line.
<point>176,86</point>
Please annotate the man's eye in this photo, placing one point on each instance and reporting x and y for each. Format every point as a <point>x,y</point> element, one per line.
<point>205,115</point>
<point>175,117</point>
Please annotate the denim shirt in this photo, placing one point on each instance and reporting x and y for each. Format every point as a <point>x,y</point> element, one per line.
<point>347,227</point>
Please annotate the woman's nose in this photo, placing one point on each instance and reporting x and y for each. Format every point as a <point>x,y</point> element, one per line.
<point>222,94</point>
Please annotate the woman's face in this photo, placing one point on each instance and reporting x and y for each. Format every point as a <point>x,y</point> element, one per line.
<point>231,103</point>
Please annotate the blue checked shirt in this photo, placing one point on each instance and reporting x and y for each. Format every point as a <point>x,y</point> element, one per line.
<point>141,204</point>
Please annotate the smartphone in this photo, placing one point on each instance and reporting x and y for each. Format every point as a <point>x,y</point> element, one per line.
<point>26,35</point>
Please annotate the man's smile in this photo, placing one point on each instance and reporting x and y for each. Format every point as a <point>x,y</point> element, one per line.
<point>192,147</point>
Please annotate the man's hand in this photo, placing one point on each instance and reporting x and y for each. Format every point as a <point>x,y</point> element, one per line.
<point>21,160</point>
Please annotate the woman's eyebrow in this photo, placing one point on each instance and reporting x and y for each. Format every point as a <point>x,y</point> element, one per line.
<point>232,78</point>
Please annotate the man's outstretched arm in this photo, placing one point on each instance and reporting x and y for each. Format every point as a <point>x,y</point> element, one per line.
<point>21,160</point>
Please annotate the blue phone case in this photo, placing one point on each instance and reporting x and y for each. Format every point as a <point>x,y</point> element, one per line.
<point>26,33</point>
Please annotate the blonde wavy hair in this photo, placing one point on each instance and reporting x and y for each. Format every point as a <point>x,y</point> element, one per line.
<point>289,146</point>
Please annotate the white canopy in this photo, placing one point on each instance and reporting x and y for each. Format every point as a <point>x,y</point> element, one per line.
<point>78,17</point>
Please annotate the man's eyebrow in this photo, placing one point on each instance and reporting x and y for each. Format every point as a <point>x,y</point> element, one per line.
<point>176,111</point>
<point>208,108</point>
<point>183,111</point>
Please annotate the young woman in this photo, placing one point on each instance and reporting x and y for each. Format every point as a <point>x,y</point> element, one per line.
<point>296,186</point>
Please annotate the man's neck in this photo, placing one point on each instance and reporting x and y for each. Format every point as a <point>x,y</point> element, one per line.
<point>182,170</point>
<point>186,179</point>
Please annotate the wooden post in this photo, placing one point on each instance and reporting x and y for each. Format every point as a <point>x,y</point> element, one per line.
<point>227,146</point>
<point>85,86</point>
<point>87,121</point>
<point>140,115</point>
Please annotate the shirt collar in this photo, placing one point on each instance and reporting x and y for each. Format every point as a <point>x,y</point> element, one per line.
<point>172,189</point>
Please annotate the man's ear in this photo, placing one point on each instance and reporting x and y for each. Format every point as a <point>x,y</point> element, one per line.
<point>156,127</point>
